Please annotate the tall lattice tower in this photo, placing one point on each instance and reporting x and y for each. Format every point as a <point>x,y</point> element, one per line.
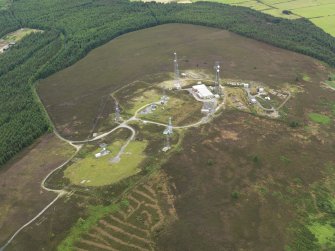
<point>176,72</point>
<point>217,78</point>
<point>170,130</point>
<point>117,112</point>
<point>167,141</point>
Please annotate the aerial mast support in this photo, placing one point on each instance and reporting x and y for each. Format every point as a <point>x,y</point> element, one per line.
<point>117,112</point>
<point>217,78</point>
<point>176,72</point>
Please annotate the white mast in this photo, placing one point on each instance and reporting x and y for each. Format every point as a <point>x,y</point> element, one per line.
<point>176,72</point>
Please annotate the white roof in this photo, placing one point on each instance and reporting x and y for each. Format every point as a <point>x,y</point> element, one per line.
<point>203,90</point>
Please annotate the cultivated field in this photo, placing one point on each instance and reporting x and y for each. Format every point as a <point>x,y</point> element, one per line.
<point>320,12</point>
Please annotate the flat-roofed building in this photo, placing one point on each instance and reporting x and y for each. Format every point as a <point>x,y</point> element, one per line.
<point>202,91</point>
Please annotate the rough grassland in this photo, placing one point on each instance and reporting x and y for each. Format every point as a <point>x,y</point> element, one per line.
<point>21,195</point>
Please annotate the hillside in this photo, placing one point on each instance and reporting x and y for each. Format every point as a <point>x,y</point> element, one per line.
<point>148,126</point>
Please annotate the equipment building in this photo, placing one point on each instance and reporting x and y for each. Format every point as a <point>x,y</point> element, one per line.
<point>202,91</point>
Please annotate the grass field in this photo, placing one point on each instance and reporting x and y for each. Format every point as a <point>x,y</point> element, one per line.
<point>320,12</point>
<point>100,172</point>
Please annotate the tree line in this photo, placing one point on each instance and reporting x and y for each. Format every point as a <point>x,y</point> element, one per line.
<point>73,28</point>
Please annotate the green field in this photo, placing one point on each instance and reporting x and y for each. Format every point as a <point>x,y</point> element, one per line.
<point>99,171</point>
<point>320,12</point>
<point>319,118</point>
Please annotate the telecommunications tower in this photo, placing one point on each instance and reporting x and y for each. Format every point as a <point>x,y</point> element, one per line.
<point>176,72</point>
<point>117,112</point>
<point>217,78</point>
<point>169,129</point>
<point>167,142</point>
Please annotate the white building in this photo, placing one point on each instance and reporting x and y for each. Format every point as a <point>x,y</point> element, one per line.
<point>102,153</point>
<point>202,91</point>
